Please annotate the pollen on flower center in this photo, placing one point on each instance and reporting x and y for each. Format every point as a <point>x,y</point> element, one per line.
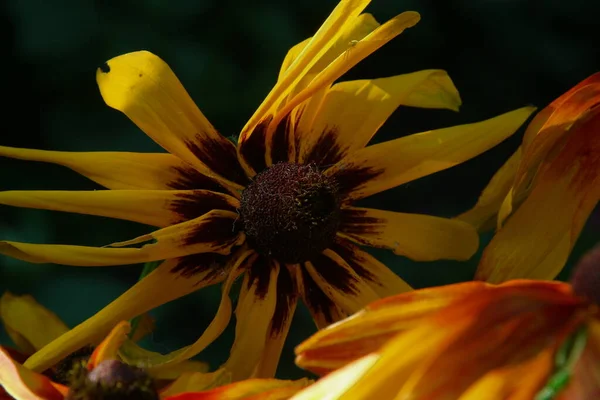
<point>290,212</point>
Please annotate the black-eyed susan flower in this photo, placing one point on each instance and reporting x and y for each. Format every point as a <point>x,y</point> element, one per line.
<point>543,195</point>
<point>105,377</point>
<point>522,339</point>
<point>276,208</point>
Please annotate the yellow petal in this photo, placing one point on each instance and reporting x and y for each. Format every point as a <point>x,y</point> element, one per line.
<point>150,207</point>
<point>379,277</point>
<point>484,213</point>
<point>340,282</point>
<point>175,371</point>
<point>109,347</point>
<point>121,170</point>
<point>23,384</point>
<point>166,283</point>
<point>194,382</point>
<point>342,16</point>
<point>418,237</point>
<point>29,324</point>
<point>254,313</point>
<point>252,389</point>
<point>144,88</point>
<point>210,233</point>
<point>537,239</point>
<point>351,112</point>
<point>323,310</point>
<point>389,164</point>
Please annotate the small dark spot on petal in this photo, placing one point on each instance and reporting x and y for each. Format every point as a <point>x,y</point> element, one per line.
<point>105,68</point>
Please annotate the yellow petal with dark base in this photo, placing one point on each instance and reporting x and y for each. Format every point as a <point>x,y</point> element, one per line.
<point>352,112</point>
<point>23,384</point>
<point>116,170</point>
<point>150,207</point>
<point>29,324</point>
<point>209,233</point>
<point>416,236</point>
<point>385,165</point>
<point>164,284</point>
<point>144,88</point>
<point>537,239</point>
<point>323,310</point>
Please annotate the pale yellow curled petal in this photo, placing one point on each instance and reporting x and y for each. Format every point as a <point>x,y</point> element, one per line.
<point>484,214</point>
<point>144,88</point>
<point>416,236</point>
<point>29,324</point>
<point>389,164</point>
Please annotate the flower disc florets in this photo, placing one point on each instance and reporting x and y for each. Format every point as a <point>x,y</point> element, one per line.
<point>290,212</point>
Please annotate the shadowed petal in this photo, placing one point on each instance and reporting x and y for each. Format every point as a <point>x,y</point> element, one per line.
<point>324,311</point>
<point>23,384</point>
<point>144,88</point>
<point>537,239</point>
<point>151,207</point>
<point>29,324</point>
<point>379,277</point>
<point>210,233</point>
<point>352,112</point>
<point>416,236</point>
<point>385,165</point>
<point>164,284</point>
<point>254,313</point>
<point>340,282</point>
<point>122,170</point>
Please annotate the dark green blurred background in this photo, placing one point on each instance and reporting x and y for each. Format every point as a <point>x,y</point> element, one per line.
<point>501,54</point>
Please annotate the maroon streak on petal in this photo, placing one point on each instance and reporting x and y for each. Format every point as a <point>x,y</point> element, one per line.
<point>260,271</point>
<point>212,264</point>
<point>216,229</point>
<point>280,143</point>
<point>352,177</point>
<point>287,295</point>
<point>198,202</point>
<point>190,178</point>
<point>334,274</point>
<point>326,151</point>
<point>220,156</point>
<point>351,254</point>
<point>354,221</point>
<point>322,308</point>
<point>254,148</point>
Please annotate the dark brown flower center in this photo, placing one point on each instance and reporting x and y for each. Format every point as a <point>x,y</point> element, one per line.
<point>290,212</point>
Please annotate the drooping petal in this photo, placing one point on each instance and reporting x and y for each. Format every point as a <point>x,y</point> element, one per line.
<point>213,232</point>
<point>254,140</point>
<point>249,389</point>
<point>324,310</point>
<point>483,214</point>
<point>122,170</point>
<point>144,88</point>
<point>151,207</point>
<point>29,324</point>
<point>340,282</point>
<point>537,239</point>
<point>254,312</point>
<point>416,236</point>
<point>168,282</point>
<point>379,277</point>
<point>351,112</point>
<point>287,298</point>
<point>389,164</point>
<point>368,330</point>
<point>108,349</point>
<point>195,382</point>
<point>23,384</point>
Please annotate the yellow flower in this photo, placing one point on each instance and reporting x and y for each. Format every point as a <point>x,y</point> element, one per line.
<point>276,208</point>
<point>105,376</point>
<point>545,192</point>
<point>522,339</point>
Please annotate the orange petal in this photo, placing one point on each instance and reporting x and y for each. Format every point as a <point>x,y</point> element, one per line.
<point>29,324</point>
<point>418,237</point>
<point>144,88</point>
<point>249,389</point>
<point>537,239</point>
<point>150,207</point>
<point>254,312</point>
<point>122,170</point>
<point>109,347</point>
<point>195,382</point>
<point>172,279</point>
<point>389,164</point>
<point>210,233</point>
<point>351,112</point>
<point>23,384</point>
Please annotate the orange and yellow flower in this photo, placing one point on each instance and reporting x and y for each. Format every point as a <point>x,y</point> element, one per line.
<point>543,195</point>
<point>104,364</point>
<point>522,339</point>
<point>276,208</point>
